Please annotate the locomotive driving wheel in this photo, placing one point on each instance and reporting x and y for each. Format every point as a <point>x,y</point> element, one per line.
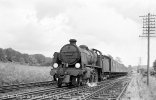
<point>59,82</point>
<point>73,80</point>
<point>79,81</point>
<point>94,76</point>
<point>76,81</point>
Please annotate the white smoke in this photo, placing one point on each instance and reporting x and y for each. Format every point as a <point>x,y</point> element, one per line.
<point>92,84</point>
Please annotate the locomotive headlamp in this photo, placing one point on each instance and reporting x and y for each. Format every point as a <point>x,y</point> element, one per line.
<point>55,65</point>
<point>77,65</point>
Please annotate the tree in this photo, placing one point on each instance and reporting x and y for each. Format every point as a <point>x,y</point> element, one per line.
<point>26,58</point>
<point>40,58</point>
<point>154,65</point>
<point>9,55</point>
<point>48,61</point>
<point>21,60</point>
<point>2,55</point>
<point>12,55</point>
<point>32,60</point>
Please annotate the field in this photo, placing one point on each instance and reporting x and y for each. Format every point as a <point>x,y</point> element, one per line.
<point>11,73</point>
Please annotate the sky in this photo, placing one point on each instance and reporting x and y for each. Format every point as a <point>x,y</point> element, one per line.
<point>44,26</point>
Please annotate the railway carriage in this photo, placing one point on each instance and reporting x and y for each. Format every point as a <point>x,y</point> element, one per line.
<point>77,65</point>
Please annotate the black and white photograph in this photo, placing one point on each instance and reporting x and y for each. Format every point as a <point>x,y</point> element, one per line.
<point>77,50</point>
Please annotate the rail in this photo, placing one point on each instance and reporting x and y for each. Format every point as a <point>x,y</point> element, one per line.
<point>10,88</point>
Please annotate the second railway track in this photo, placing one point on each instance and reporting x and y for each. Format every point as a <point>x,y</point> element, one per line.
<point>10,88</point>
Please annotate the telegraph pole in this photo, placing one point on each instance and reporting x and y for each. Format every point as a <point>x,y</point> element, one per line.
<point>148,28</point>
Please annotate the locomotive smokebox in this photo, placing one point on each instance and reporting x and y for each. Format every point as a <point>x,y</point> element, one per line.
<point>73,41</point>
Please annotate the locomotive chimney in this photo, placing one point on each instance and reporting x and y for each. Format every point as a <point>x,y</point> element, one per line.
<point>73,41</point>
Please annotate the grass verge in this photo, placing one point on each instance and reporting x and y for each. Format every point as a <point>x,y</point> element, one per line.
<point>11,73</point>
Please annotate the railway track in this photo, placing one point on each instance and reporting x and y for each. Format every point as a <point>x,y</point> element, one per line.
<point>54,91</point>
<point>11,88</point>
<point>113,91</point>
<point>109,89</point>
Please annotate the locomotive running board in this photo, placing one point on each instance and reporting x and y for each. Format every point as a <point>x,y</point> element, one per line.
<point>93,66</point>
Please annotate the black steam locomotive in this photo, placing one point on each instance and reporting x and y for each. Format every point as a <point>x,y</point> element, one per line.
<point>76,66</point>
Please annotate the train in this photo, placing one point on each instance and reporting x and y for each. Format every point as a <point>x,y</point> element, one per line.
<point>77,65</point>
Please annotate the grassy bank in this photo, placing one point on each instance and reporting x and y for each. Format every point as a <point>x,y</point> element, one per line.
<point>11,73</point>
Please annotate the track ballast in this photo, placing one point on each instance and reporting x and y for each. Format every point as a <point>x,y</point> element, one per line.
<point>108,89</point>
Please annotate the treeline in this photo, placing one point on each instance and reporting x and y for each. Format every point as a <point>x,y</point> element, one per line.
<point>10,55</point>
<point>154,65</point>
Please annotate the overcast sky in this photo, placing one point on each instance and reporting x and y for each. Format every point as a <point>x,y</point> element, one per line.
<point>44,26</point>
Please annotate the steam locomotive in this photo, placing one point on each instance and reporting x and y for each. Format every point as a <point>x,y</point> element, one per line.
<point>76,66</point>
